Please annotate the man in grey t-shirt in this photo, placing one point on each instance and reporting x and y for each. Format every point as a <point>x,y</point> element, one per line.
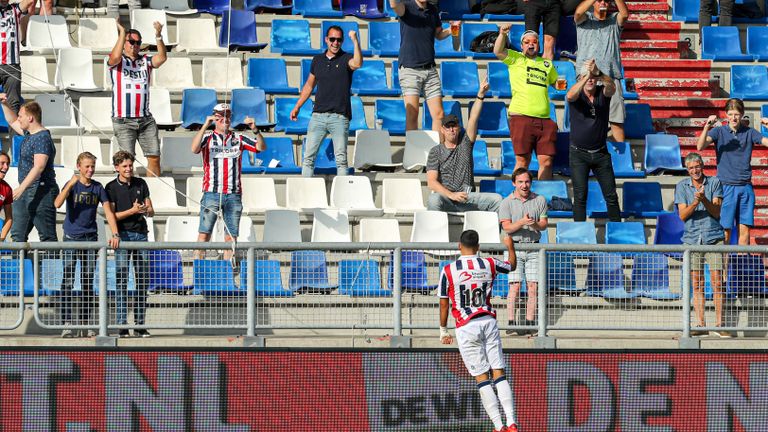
<point>450,166</point>
<point>598,35</point>
<point>523,215</point>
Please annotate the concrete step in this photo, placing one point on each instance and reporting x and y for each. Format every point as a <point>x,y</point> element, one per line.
<point>659,30</point>
<point>653,49</point>
<point>677,87</point>
<point>647,6</point>
<point>636,68</point>
<point>647,17</point>
<point>663,108</point>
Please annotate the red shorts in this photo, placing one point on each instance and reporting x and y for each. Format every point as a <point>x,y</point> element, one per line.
<point>528,133</point>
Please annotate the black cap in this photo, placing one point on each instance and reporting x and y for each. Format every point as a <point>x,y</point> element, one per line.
<point>450,118</point>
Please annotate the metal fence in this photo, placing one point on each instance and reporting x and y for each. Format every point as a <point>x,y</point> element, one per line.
<point>258,287</point>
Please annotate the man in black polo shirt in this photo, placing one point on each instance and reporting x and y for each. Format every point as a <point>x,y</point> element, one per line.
<point>129,198</point>
<point>332,72</point>
<point>419,26</point>
<point>589,105</point>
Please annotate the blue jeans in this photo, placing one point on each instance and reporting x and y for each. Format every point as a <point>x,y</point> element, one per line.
<point>35,208</point>
<point>87,259</point>
<point>481,201</point>
<point>320,126</point>
<point>231,207</point>
<point>140,259</point>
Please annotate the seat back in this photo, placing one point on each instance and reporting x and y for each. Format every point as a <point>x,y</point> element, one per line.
<point>621,158</point>
<point>384,37</point>
<point>417,146</point>
<point>249,102</point>
<point>430,226</point>
<point>160,106</point>
<point>222,73</point>
<point>720,41</point>
<point>279,149</point>
<point>238,27</point>
<point>245,228</point>
<point>639,197</point>
<point>370,78</point>
<point>638,122</point>
<point>283,107</point>
<point>567,70</point>
<point>171,6</point>
<point>196,106</point>
<point>757,42</point>
<point>454,9</point>
<point>595,201</point>
<point>351,193</point>
<point>57,110</point>
<point>194,192</point>
<point>493,119</point>
<point>180,228</point>
<point>550,188</point>
<point>662,152</point>
<point>459,78</point>
<point>372,147</point>
<point>305,193</point>
<point>259,193</point>
<point>51,32</point>
<point>392,114</point>
<point>289,34</point>
<point>749,82</point>
<point>215,7</point>
<point>96,114</point>
<point>449,107</point>
<point>669,229</point>
<point>73,145</point>
<point>501,187</point>
<point>163,193</point>
<point>281,226</point>
<point>379,230</point>
<point>95,33</point>
<point>183,158</point>
<point>624,233</point>
<point>402,195</point>
<point>214,278</point>
<point>36,68</point>
<point>485,223</point>
<point>196,34</point>
<point>576,233</point>
<point>358,121</point>
<point>309,271</point>
<point>498,79</point>
<point>75,69</point>
<point>469,31</point>
<point>266,73</point>
<point>330,226</point>
<point>143,20</point>
<point>176,74</point>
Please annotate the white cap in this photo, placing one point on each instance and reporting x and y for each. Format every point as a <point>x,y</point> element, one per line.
<point>528,33</point>
<point>222,107</point>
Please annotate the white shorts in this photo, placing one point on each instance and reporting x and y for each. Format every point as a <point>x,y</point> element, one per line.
<point>480,345</point>
<point>528,264</point>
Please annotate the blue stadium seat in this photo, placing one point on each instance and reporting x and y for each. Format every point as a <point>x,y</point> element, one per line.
<point>493,120</point>
<point>459,79</point>
<point>662,153</point>
<point>501,187</point>
<point>270,75</point>
<point>628,95</point>
<point>596,206</point>
<point>364,9</point>
<point>480,155</point>
<point>358,121</point>
<point>249,102</point>
<point>214,7</point>
<point>669,229</point>
<point>10,277</point>
<point>283,107</point>
<point>746,275</point>
<point>165,271</point>
<point>456,10</point>
<point>242,31</point>
<point>291,37</point>
<point>501,286</point>
<point>325,161</point>
<point>346,26</point>
<point>309,272</point>
<point>414,272</point>
<point>361,278</point>
<point>278,148</point>
<point>130,286</point>
<point>267,280</point>
<point>503,17</point>
<point>449,107</point>
<point>388,10</point>
<point>469,31</point>
<point>638,122</point>
<point>650,276</point>
<point>621,159</point>
<point>395,75</point>
<point>686,11</point>
<point>764,113</point>
<point>624,233</point>
<point>757,42</point>
<point>214,278</point>
<point>306,65</point>
<point>722,44</point>
<point>196,105</point>
<point>498,78</point>
<point>316,9</point>
<point>392,114</point>
<point>642,199</point>
<point>605,277</point>
<point>16,149</point>
<point>550,188</point>
<point>508,159</point>
<point>564,69</point>
<point>384,38</point>
<point>266,5</point>
<point>515,32</point>
<point>749,82</point>
<point>576,233</point>
<point>371,80</point>
<point>444,48</point>
<point>561,272</point>
<point>561,163</point>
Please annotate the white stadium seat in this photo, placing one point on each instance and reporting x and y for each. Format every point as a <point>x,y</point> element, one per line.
<point>180,228</point>
<point>281,226</point>
<point>58,113</point>
<point>402,195</point>
<point>379,230</point>
<point>194,193</point>
<point>98,34</point>
<point>373,150</point>
<point>73,145</point>
<point>259,194</point>
<point>354,194</point>
<point>330,226</point>
<point>37,78</point>
<point>162,190</point>
<point>216,71</point>
<point>197,36</point>
<point>181,160</point>
<point>430,227</point>
<point>417,146</point>
<point>96,114</point>
<point>41,33</point>
<point>160,107</point>
<point>75,70</point>
<point>485,223</point>
<point>305,194</point>
<point>175,75</point>
<point>172,7</point>
<point>143,20</point>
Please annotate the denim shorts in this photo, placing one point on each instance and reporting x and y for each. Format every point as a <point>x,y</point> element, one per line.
<point>231,207</point>
<point>128,130</point>
<point>738,205</point>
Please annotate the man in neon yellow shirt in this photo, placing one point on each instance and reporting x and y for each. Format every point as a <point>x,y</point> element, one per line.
<point>529,124</point>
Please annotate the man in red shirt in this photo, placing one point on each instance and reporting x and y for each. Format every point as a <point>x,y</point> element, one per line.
<point>6,196</point>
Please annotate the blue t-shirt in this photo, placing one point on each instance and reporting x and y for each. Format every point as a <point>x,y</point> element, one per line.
<point>701,227</point>
<point>38,143</point>
<point>82,203</point>
<point>417,34</point>
<point>734,153</point>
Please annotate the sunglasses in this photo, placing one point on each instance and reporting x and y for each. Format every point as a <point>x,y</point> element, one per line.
<point>335,39</point>
<point>134,42</point>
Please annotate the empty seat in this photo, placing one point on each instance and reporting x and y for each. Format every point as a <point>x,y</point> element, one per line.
<point>10,278</point>
<point>567,70</point>
<point>392,114</point>
<point>576,233</point>
<point>364,9</point>
<point>430,227</point>
<point>498,79</point>
<point>485,223</point>
<point>722,44</point>
<point>249,102</point>
<point>316,9</point>
<point>222,73</point>
<point>268,280</point>
<point>36,70</point>
<point>75,70</point>
<point>194,193</point>
<point>596,205</point>
<point>509,160</point>
<point>621,159</point>
<point>176,74</point>
<point>283,108</point>
<point>309,272</point>
<point>482,167</point>
<point>325,159</point>
<point>413,270</point>
<point>267,5</point>
<point>165,270</point>
<point>181,160</point>
<point>245,231</point>
<point>384,38</point>
<point>650,277</point>
<point>180,228</point>
<point>493,120</point>
<point>46,33</point>
<point>757,42</point>
<point>459,79</point>
<point>444,48</point>
<point>417,147</point>
<point>379,231</point>
<point>98,34</point>
<point>291,37</point>
<point>605,277</point>
<point>277,158</point>
<point>259,194</point>
<point>96,114</point>
<point>642,199</point>
<point>346,26</point>
<point>746,274</point>
<point>469,31</point>
<point>662,153</point>
<point>669,229</point>
<point>197,36</point>
<point>143,20</point>
<point>281,226</point>
<point>214,278</point>
<point>749,82</point>
<point>373,150</point>
<point>196,106</point>
<point>638,122</point>
<point>685,11</point>
<point>172,7</point>
<point>449,107</point>
<point>549,189</point>
<point>624,233</point>
<point>371,79</point>
<point>160,107</point>
<point>238,31</point>
<point>330,226</point>
<point>215,7</point>
<point>457,10</point>
<point>73,145</point>
<point>361,278</point>
<point>270,75</point>
<point>501,187</point>
<point>354,195</point>
<point>305,194</point>
<point>402,195</point>
<point>163,193</point>
<point>58,113</point>
<point>358,121</point>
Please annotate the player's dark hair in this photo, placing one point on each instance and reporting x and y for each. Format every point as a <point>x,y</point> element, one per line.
<point>132,32</point>
<point>470,239</point>
<point>735,104</point>
<point>520,171</point>
<point>4,154</point>
<point>334,27</point>
<point>121,156</point>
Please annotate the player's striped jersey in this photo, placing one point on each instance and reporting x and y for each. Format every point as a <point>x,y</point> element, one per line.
<point>130,86</point>
<point>9,34</point>
<point>222,161</point>
<point>468,282</point>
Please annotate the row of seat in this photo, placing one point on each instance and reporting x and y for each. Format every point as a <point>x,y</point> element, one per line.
<point>688,11</point>
<point>724,44</point>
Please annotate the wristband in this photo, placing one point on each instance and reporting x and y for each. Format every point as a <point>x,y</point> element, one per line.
<point>480,98</point>
<point>444,332</point>
<point>115,235</point>
<point>158,38</point>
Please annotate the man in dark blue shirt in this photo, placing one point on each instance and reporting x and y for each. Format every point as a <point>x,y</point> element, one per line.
<point>419,26</point>
<point>332,72</point>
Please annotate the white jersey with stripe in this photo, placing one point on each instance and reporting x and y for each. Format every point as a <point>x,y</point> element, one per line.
<point>130,86</point>
<point>9,34</point>
<point>222,161</point>
<point>468,283</point>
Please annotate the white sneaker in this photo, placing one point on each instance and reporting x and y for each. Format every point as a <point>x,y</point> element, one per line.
<point>67,334</point>
<point>90,333</point>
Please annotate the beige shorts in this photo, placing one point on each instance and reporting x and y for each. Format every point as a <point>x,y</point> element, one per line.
<point>714,259</point>
<point>420,82</point>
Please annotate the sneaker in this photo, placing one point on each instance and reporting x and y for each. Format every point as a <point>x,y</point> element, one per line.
<point>67,334</point>
<point>141,333</point>
<point>723,334</point>
<point>124,333</point>
<point>511,332</point>
<point>512,428</point>
<point>90,333</point>
<point>503,429</point>
<point>699,332</point>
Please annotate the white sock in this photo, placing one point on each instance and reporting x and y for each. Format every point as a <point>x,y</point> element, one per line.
<point>490,403</point>
<point>507,399</point>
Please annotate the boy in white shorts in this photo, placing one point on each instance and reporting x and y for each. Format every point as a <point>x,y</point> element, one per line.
<point>467,284</point>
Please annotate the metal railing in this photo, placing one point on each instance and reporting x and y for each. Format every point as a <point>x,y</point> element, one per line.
<point>388,286</point>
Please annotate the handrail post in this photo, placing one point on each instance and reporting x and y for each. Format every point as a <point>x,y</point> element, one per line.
<point>686,341</point>
<point>103,338</point>
<point>398,340</point>
<point>251,340</point>
<point>542,340</point>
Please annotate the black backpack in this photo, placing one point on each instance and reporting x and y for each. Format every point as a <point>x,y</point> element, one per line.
<point>483,43</point>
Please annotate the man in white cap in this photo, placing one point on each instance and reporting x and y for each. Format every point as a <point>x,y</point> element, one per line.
<point>222,151</point>
<point>529,124</point>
